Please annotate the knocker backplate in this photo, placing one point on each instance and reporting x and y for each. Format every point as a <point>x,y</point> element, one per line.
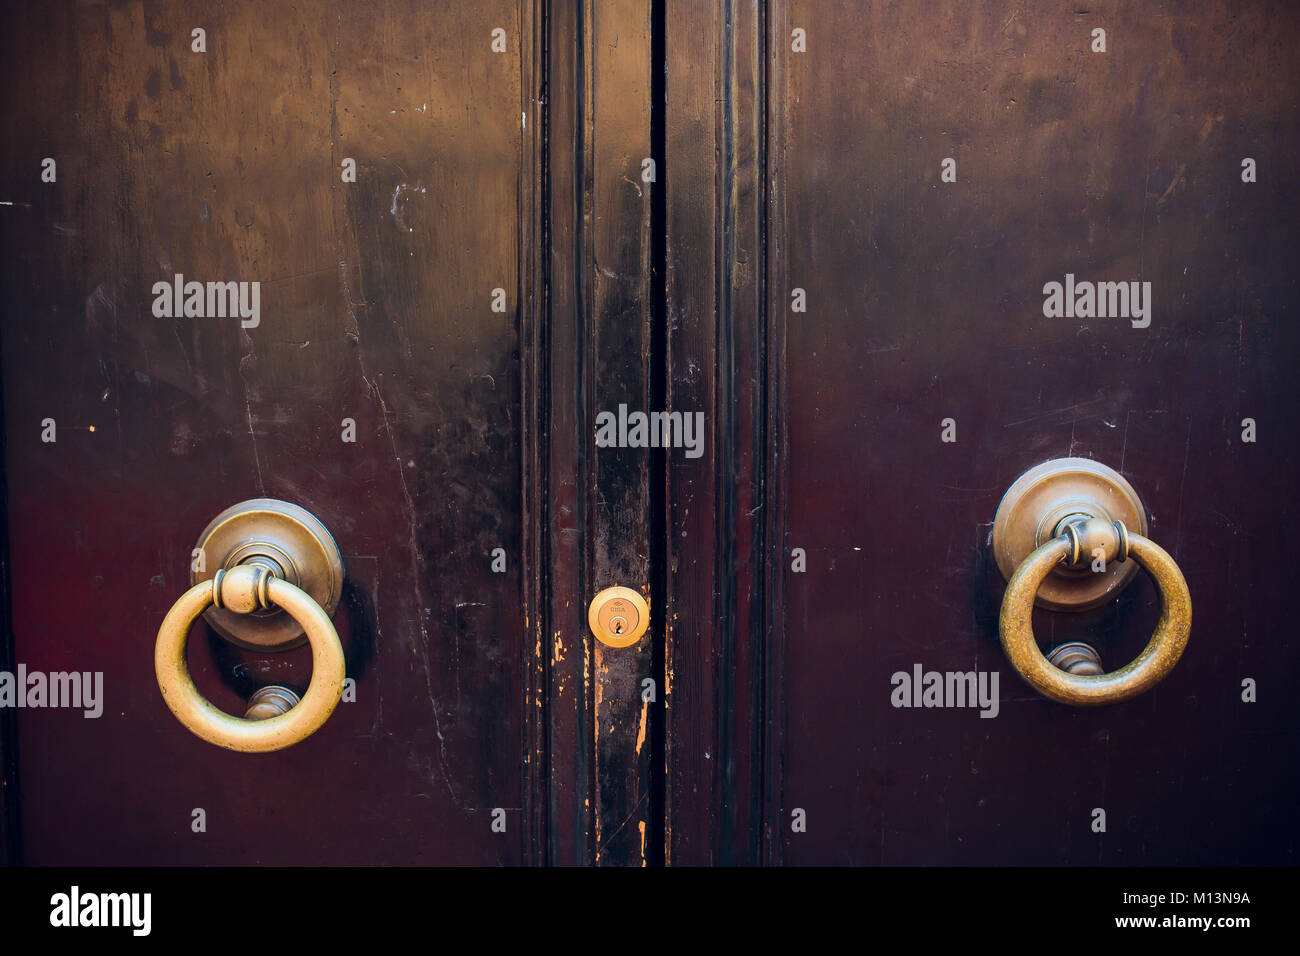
<point>1033,506</point>
<point>293,539</point>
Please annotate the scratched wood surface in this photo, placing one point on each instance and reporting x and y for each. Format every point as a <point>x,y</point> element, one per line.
<point>375,305</point>
<point>925,302</point>
<point>615,316</point>
<point>600,311</point>
<point>617,293</point>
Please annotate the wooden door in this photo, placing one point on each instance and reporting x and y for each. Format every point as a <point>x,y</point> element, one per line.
<point>868,265</point>
<point>475,230</point>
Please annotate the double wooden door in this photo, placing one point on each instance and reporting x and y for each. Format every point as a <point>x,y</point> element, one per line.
<point>828,230</point>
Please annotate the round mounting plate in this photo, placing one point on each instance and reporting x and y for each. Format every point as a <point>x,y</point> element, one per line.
<point>1039,499</point>
<point>291,537</point>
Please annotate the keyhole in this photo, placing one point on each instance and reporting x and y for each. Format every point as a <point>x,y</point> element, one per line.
<point>617,624</point>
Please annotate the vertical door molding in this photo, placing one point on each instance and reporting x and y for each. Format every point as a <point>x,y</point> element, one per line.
<point>724,534</point>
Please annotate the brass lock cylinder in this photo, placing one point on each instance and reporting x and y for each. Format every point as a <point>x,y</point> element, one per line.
<point>618,616</point>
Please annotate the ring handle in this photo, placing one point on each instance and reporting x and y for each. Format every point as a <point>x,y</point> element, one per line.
<point>245,589</point>
<point>1077,542</point>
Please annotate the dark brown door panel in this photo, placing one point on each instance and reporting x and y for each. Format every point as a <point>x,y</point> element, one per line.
<point>376,307</point>
<point>926,303</point>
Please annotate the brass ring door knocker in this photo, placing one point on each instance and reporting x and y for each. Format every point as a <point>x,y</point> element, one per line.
<point>1056,525</point>
<point>276,577</point>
